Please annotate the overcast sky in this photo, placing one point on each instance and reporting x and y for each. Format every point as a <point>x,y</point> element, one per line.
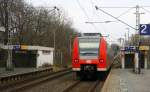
<point>81,11</point>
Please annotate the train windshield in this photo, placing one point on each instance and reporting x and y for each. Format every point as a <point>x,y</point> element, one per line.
<point>89,47</point>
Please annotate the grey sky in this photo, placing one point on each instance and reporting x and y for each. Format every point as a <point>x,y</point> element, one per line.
<point>78,14</point>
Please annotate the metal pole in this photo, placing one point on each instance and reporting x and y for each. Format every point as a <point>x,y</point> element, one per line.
<point>125,39</point>
<point>54,46</point>
<point>128,37</point>
<point>139,62</point>
<point>137,29</point>
<point>55,8</point>
<point>61,58</point>
<point>54,37</point>
<point>70,45</point>
<point>123,42</point>
<point>9,66</point>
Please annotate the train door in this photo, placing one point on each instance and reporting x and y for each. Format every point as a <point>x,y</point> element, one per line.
<point>129,60</point>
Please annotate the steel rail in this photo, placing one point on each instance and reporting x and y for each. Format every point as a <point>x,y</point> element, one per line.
<point>16,87</point>
<point>71,86</point>
<point>92,89</point>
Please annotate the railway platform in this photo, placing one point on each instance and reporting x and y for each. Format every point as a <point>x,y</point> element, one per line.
<point>17,71</point>
<point>7,78</point>
<point>125,80</point>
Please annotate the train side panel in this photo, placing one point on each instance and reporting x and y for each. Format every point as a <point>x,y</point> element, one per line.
<point>102,56</point>
<point>75,56</point>
<point>109,57</point>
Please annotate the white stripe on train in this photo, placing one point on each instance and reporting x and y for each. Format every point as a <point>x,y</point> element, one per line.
<point>98,69</point>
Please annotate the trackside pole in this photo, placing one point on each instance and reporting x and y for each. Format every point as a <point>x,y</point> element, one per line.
<point>136,62</point>
<point>122,60</point>
<point>139,63</point>
<point>145,64</point>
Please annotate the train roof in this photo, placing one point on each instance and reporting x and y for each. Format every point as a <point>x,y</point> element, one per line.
<point>90,35</point>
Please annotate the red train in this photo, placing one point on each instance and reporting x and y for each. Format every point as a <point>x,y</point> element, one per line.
<point>91,55</point>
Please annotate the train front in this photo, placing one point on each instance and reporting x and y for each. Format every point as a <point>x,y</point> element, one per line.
<point>87,56</point>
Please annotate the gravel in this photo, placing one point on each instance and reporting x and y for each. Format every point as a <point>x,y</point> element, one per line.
<point>56,85</point>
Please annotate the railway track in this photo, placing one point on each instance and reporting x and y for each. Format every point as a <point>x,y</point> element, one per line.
<point>61,81</point>
<point>16,87</point>
<point>82,86</point>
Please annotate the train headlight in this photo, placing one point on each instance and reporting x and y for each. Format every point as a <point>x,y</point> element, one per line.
<point>76,61</point>
<point>101,60</point>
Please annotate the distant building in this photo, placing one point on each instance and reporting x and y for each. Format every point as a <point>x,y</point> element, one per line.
<point>31,56</point>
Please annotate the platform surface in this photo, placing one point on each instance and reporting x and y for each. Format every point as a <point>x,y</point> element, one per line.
<point>4,73</point>
<point>125,80</point>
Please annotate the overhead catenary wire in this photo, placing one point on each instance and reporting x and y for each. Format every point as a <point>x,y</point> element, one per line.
<point>115,7</point>
<point>83,10</point>
<point>130,8</point>
<point>146,10</point>
<point>125,12</point>
<point>122,6</point>
<point>141,2</point>
<point>97,8</point>
<point>92,3</point>
<point>145,6</point>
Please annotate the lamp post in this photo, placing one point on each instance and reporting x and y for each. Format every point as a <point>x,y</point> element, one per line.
<point>138,63</point>
<point>54,37</point>
<point>70,44</point>
<point>121,40</point>
<point>9,64</point>
<point>61,58</point>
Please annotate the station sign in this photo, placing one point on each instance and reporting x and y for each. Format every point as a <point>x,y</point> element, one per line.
<point>144,29</point>
<point>130,48</point>
<point>21,51</point>
<point>24,47</point>
<point>16,47</point>
<point>144,48</point>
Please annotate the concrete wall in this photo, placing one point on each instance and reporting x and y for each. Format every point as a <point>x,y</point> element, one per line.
<point>1,37</point>
<point>25,59</point>
<point>3,57</point>
<point>44,57</point>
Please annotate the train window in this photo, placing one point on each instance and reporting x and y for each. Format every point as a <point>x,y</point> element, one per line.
<point>89,45</point>
<point>89,48</point>
<point>88,52</point>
